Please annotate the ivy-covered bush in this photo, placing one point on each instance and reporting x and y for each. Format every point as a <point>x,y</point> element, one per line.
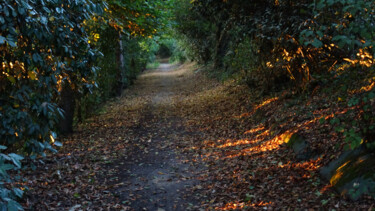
<point>343,31</point>
<point>52,70</point>
<point>43,45</point>
<point>135,53</point>
<point>294,43</point>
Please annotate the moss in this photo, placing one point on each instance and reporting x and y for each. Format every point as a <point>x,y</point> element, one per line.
<point>293,139</point>
<point>355,172</point>
<point>354,168</point>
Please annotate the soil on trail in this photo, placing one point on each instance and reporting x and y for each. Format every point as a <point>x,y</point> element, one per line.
<point>154,175</point>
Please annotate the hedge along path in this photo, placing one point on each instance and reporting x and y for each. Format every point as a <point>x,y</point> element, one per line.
<point>178,140</point>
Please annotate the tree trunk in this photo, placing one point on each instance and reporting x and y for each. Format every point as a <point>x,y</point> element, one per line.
<point>67,103</point>
<point>120,65</point>
<point>221,46</point>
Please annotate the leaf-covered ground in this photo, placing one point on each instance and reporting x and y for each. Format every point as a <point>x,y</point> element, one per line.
<point>178,140</point>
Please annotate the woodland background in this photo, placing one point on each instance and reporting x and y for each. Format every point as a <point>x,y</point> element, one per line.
<point>62,59</point>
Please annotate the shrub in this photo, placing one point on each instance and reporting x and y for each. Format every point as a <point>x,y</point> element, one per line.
<point>42,47</point>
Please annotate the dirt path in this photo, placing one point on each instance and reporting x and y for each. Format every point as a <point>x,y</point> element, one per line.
<point>154,175</point>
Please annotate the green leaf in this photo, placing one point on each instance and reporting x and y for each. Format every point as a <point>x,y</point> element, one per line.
<point>18,192</point>
<point>339,38</point>
<point>307,33</point>
<point>318,193</point>
<point>320,5</point>
<point>44,20</point>
<point>58,144</point>
<point>334,121</point>
<point>6,11</point>
<point>6,157</point>
<point>324,201</point>
<point>16,159</point>
<point>14,206</point>
<point>249,197</point>
<point>59,10</point>
<point>54,135</point>
<point>330,2</point>
<point>317,43</point>
<point>340,129</point>
<point>2,40</point>
<point>11,79</point>
<point>353,101</point>
<point>320,34</point>
<point>35,57</point>
<point>4,168</point>
<point>21,11</point>
<point>11,40</point>
<point>32,75</point>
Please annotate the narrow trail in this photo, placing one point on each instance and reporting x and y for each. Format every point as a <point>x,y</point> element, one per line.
<point>154,175</point>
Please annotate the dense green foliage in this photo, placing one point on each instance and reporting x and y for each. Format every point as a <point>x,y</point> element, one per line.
<point>122,35</point>
<point>299,45</point>
<point>59,60</point>
<point>271,44</point>
<point>288,40</point>
<point>110,75</point>
<point>43,45</point>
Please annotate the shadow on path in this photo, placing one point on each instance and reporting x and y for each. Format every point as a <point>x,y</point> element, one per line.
<point>153,174</point>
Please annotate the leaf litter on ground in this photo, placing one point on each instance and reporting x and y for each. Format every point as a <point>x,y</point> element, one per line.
<point>232,137</point>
